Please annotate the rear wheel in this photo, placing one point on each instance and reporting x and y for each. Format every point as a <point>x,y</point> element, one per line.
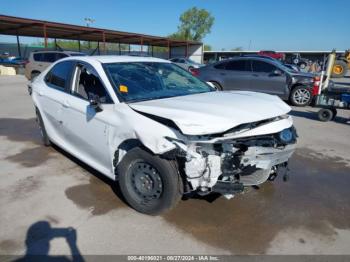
<point>216,85</point>
<point>339,69</point>
<point>325,114</point>
<point>300,96</point>
<point>150,184</point>
<point>45,138</point>
<point>34,75</point>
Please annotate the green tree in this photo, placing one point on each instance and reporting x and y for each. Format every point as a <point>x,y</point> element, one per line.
<point>207,48</point>
<point>195,24</point>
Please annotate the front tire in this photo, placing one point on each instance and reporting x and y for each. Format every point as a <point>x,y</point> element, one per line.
<point>300,96</point>
<point>150,184</point>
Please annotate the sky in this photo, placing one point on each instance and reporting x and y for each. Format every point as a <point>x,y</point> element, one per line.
<point>249,24</point>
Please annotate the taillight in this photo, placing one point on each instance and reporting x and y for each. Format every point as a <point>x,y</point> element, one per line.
<point>194,71</point>
<point>316,87</point>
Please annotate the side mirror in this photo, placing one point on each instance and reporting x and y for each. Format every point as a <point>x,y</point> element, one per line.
<point>95,103</point>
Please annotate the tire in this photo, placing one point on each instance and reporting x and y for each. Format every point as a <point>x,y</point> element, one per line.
<point>190,68</point>
<point>325,114</point>
<point>44,137</point>
<point>302,65</point>
<point>339,69</point>
<point>150,184</point>
<point>300,96</point>
<point>34,75</point>
<point>216,85</point>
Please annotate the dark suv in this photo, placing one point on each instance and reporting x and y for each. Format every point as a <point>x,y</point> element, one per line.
<point>261,74</point>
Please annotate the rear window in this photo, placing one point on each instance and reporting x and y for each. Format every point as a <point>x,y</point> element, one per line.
<point>48,57</point>
<point>59,76</point>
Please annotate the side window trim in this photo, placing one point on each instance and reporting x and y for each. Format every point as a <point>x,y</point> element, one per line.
<point>74,83</point>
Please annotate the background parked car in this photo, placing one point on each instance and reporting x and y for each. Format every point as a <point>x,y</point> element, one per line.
<point>40,60</point>
<point>186,63</point>
<point>13,61</point>
<point>261,74</point>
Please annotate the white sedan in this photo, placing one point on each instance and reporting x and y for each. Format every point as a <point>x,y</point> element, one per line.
<point>160,132</point>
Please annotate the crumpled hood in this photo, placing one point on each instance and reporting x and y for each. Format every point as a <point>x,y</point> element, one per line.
<point>214,112</point>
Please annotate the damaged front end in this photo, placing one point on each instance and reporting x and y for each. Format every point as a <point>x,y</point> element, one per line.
<point>227,163</point>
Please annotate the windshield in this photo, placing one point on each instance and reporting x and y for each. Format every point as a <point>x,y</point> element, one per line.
<point>284,68</point>
<point>140,81</point>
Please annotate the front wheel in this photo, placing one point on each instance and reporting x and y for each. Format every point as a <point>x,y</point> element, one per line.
<point>149,184</point>
<point>300,96</point>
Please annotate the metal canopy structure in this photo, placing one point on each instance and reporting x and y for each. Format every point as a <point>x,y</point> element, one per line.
<point>18,26</point>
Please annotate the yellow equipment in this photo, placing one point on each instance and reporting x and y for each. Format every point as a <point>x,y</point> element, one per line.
<point>341,64</point>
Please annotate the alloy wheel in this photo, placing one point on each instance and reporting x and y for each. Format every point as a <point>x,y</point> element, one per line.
<point>301,96</point>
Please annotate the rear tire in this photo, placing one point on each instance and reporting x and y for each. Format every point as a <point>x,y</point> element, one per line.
<point>300,96</point>
<point>339,69</point>
<point>34,75</point>
<point>216,85</point>
<point>150,184</point>
<point>325,114</point>
<point>45,138</point>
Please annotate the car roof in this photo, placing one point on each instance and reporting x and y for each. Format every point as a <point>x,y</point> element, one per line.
<point>105,59</point>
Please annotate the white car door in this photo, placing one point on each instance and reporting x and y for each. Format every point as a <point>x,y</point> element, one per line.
<point>51,95</point>
<point>87,128</point>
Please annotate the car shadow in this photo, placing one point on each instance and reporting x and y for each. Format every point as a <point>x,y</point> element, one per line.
<point>37,242</point>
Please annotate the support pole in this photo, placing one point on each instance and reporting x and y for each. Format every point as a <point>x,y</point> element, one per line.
<point>169,50</point>
<point>129,49</point>
<point>18,47</point>
<point>152,50</point>
<point>45,35</point>
<point>120,51</point>
<point>186,52</point>
<point>98,47</point>
<point>79,45</point>
<point>55,44</point>
<point>104,42</point>
<point>141,45</point>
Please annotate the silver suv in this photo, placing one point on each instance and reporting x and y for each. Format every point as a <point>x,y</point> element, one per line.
<point>38,61</point>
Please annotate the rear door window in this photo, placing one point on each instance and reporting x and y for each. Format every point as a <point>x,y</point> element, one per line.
<point>238,65</point>
<point>38,57</point>
<point>60,56</point>
<point>263,67</point>
<point>60,75</point>
<point>49,57</point>
<point>220,65</point>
